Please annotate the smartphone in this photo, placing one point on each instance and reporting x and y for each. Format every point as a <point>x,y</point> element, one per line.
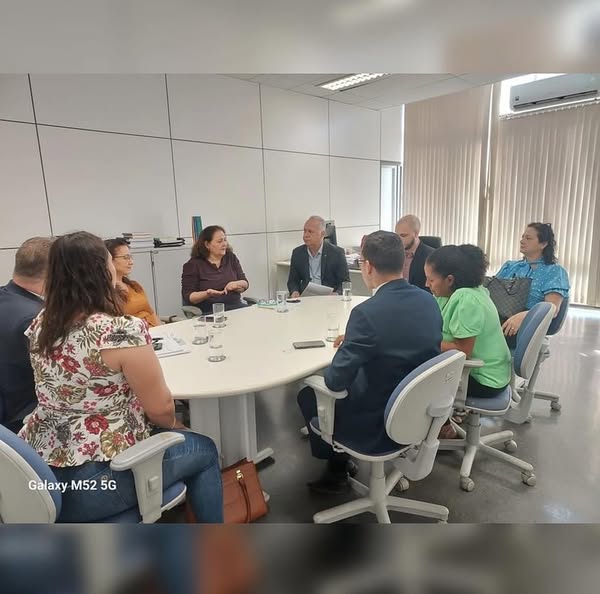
<point>308,344</point>
<point>211,319</point>
<point>156,345</point>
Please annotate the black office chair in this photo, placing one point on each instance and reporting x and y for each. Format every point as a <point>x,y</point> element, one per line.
<point>431,241</point>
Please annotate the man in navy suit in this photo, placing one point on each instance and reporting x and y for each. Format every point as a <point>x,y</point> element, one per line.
<point>20,301</point>
<point>387,337</point>
<point>317,261</point>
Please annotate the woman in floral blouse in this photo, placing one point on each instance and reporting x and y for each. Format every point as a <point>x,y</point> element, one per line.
<point>100,387</point>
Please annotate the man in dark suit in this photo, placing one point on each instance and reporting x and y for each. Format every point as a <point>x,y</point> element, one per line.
<point>20,301</point>
<point>387,336</point>
<point>317,261</point>
<point>408,228</point>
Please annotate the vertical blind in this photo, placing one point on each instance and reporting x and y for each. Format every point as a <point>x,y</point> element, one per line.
<point>547,169</point>
<point>444,158</point>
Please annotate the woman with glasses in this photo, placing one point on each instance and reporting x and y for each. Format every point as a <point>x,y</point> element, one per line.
<point>134,301</point>
<point>549,280</point>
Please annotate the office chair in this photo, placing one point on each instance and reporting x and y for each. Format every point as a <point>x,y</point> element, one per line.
<point>414,415</point>
<point>529,342</point>
<point>431,241</point>
<point>525,394</point>
<point>20,464</point>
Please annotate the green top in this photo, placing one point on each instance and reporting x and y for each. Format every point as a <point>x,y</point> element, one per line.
<point>471,312</point>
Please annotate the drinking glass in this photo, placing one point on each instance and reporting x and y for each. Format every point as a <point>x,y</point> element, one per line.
<point>347,291</point>
<point>200,330</point>
<point>333,326</point>
<point>219,315</point>
<point>216,351</point>
<point>282,306</point>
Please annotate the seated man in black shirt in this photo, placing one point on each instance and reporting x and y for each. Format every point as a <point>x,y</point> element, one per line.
<point>20,301</point>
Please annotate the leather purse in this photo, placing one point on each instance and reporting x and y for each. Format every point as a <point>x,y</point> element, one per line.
<point>243,498</point>
<point>509,295</point>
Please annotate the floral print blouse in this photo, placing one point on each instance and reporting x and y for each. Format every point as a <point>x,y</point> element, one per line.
<point>86,411</point>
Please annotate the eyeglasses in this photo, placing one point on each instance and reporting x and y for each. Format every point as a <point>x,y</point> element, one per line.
<point>360,261</point>
<point>123,257</point>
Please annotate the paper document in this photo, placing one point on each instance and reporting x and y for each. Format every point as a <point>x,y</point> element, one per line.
<point>314,290</point>
<point>170,347</point>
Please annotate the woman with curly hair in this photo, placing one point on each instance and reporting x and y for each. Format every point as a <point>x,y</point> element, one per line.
<point>101,390</point>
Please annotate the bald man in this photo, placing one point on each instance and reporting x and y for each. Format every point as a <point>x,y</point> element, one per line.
<point>408,228</point>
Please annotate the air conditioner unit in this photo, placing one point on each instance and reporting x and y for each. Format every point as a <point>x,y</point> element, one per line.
<point>554,91</point>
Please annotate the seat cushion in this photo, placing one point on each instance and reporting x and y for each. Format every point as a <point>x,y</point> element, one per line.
<point>132,516</point>
<point>493,404</point>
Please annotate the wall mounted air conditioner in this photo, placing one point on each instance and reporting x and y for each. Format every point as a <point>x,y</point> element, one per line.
<point>554,91</point>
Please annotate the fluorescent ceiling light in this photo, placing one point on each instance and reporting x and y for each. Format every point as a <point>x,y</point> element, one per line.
<point>353,80</point>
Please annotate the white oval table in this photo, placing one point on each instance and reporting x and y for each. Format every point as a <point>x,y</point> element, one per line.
<point>258,346</point>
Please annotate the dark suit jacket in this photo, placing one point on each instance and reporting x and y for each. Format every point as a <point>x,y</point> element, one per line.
<point>416,276</point>
<point>18,307</point>
<point>334,268</point>
<point>387,336</point>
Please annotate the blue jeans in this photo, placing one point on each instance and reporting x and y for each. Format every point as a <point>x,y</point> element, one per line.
<point>195,462</point>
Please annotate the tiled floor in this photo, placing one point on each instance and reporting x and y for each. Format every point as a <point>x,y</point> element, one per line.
<point>563,447</point>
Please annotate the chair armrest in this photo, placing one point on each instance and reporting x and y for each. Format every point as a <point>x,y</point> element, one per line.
<point>191,311</point>
<point>171,319</point>
<point>250,300</point>
<point>325,405</point>
<point>144,459</point>
<point>461,393</point>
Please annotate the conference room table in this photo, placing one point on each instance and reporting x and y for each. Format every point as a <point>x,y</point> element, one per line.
<point>259,356</point>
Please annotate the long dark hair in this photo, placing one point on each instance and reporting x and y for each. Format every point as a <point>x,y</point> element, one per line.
<point>466,263</point>
<point>78,285</point>
<point>112,245</point>
<point>545,234</point>
<point>199,250</point>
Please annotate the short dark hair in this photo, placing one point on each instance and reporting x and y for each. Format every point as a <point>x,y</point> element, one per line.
<point>31,259</point>
<point>545,234</point>
<point>466,263</point>
<point>384,250</point>
<point>199,250</point>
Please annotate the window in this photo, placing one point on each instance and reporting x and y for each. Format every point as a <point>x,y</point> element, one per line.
<point>389,212</point>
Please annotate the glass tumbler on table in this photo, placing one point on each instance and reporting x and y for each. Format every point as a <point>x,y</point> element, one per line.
<point>347,291</point>
<point>219,315</point>
<point>282,306</point>
<point>200,330</point>
<point>333,326</point>
<point>216,350</point>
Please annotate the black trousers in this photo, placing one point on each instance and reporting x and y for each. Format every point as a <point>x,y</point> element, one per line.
<point>307,401</point>
<point>478,390</point>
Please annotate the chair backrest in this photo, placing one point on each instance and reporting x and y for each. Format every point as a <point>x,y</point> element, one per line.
<point>24,481</point>
<point>431,241</point>
<point>530,338</point>
<point>432,386</point>
<point>558,322</point>
<point>191,311</point>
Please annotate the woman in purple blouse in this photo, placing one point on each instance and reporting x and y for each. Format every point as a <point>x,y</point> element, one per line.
<point>213,274</point>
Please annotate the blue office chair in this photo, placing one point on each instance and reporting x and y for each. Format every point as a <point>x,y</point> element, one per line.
<point>414,415</point>
<point>20,464</point>
<point>529,342</point>
<point>524,395</point>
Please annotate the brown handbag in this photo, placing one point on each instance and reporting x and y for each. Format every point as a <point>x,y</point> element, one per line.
<point>243,498</point>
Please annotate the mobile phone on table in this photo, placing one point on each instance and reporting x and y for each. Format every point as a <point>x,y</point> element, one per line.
<point>308,344</point>
<point>211,318</point>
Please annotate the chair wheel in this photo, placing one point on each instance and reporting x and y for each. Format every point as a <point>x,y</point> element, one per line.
<point>466,484</point>
<point>304,431</point>
<point>555,406</point>
<point>402,485</point>
<point>510,446</point>
<point>529,479</point>
<point>528,419</point>
<point>442,521</point>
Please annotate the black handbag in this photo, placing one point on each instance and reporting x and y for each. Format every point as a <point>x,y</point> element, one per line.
<point>509,295</point>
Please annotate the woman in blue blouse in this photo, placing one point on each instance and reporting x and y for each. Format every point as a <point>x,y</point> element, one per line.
<point>549,280</point>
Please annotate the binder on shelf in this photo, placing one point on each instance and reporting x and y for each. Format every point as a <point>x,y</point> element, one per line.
<point>196,227</point>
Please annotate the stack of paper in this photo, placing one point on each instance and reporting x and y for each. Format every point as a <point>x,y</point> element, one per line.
<point>171,346</point>
<point>139,240</point>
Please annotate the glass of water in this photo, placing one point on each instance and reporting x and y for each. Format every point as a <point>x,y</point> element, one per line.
<point>333,325</point>
<point>216,351</point>
<point>347,291</point>
<point>282,306</point>
<point>200,330</point>
<point>219,315</point>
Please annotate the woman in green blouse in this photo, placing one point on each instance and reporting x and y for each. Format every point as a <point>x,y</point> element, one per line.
<point>454,275</point>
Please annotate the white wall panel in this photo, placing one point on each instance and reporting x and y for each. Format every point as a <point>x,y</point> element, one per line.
<point>223,184</point>
<point>280,248</point>
<point>354,192</point>
<point>168,264</point>
<point>22,198</point>
<point>391,134</point>
<point>7,263</point>
<point>354,131</point>
<point>296,186</point>
<point>251,251</point>
<point>294,122</point>
<point>108,183</point>
<point>214,108</point>
<point>15,98</point>
<point>136,104</point>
